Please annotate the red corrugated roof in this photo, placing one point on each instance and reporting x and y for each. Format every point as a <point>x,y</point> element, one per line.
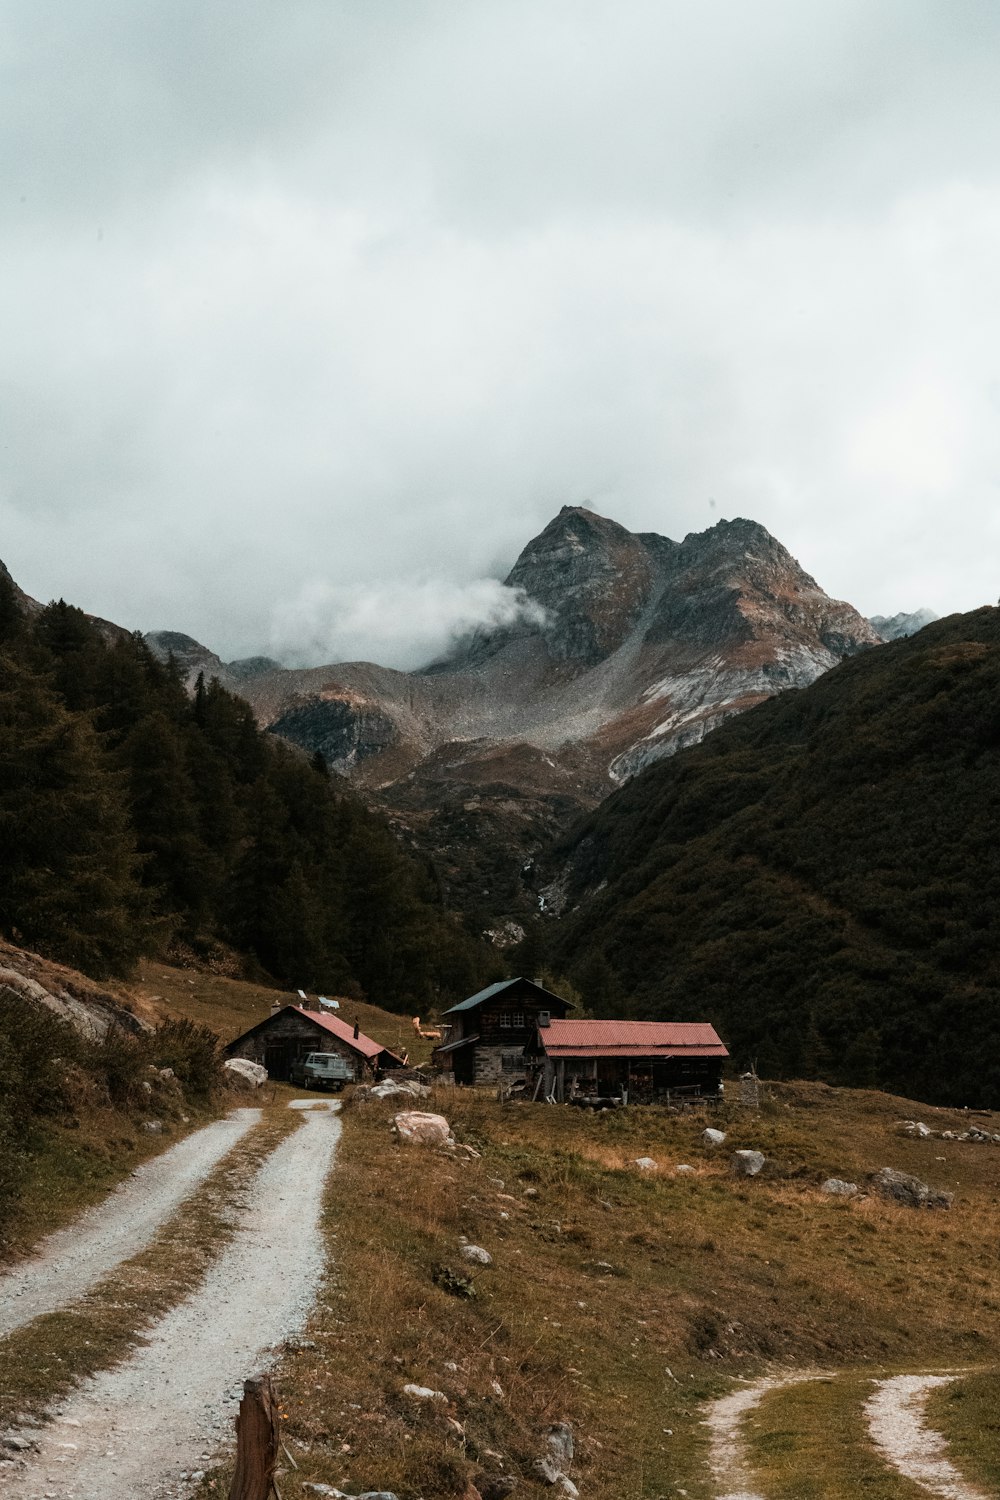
<point>343,1031</point>
<point>631,1039</point>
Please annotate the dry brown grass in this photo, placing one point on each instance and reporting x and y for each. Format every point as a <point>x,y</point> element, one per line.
<point>618,1301</point>
<point>231,1006</point>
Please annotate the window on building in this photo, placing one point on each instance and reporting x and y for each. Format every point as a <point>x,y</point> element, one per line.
<point>517,1019</point>
<point>505,1018</point>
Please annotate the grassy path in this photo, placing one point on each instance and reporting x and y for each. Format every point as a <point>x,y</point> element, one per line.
<point>841,1436</point>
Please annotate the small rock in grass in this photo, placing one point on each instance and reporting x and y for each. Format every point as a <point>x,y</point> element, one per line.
<point>153,1127</point>
<point>496,1486</point>
<point>838,1188</point>
<point>712,1137</point>
<point>423,1393</point>
<point>646,1164</point>
<point>747,1163</point>
<point>683,1169</point>
<point>477,1255</point>
<point>900,1187</point>
<point>531,1192</point>
<point>559,1441</point>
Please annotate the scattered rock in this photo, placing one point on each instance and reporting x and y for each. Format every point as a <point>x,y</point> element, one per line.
<point>469,1151</point>
<point>153,1127</point>
<point>251,1073</point>
<point>390,1087</point>
<point>711,1137</point>
<point>683,1169</point>
<point>547,1470</point>
<point>646,1164</point>
<point>420,1129</point>
<point>477,1255</point>
<point>314,1488</point>
<point>531,1192</point>
<point>295,1345</point>
<point>168,1073</point>
<point>838,1188</point>
<point>916,1128</point>
<point>559,1441</point>
<point>900,1187</point>
<point>565,1486</point>
<point>496,1486</point>
<point>747,1163</point>
<point>423,1393</point>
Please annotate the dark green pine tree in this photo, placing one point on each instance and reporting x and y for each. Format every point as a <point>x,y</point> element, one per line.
<point>68,881</point>
<point>177,866</point>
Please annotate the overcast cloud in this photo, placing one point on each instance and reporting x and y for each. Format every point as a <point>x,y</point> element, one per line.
<point>313,313</point>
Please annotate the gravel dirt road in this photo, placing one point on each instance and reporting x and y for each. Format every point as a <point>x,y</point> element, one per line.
<point>146,1427</point>
<point>896,1421</point>
<point>70,1262</point>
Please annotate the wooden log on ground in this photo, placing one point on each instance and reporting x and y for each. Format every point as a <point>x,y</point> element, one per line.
<point>256,1441</point>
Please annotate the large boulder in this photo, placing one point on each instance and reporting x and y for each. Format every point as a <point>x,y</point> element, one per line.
<point>900,1187</point>
<point>251,1073</point>
<point>421,1129</point>
<point>713,1137</point>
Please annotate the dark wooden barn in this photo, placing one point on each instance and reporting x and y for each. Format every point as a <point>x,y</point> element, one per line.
<point>290,1033</point>
<point>633,1060</point>
<point>485,1036</point>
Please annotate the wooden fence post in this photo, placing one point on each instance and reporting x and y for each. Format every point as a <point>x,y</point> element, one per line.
<point>256,1441</point>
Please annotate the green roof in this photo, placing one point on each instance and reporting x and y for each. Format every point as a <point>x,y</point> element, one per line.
<point>497,989</point>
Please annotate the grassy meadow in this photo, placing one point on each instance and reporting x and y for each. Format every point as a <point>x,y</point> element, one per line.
<point>621,1301</point>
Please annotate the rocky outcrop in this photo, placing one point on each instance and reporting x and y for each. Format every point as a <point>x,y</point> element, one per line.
<point>91,1010</point>
<point>895,627</point>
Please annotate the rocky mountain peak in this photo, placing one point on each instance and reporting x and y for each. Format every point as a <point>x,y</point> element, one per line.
<point>591,576</point>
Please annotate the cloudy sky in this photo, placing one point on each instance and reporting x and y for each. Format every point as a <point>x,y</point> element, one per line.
<point>312,312</point>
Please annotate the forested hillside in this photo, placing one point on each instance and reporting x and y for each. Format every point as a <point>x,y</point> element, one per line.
<point>820,878</point>
<point>134,817</point>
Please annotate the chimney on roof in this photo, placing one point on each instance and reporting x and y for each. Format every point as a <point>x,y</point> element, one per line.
<point>357,1030</point>
<point>276,1005</point>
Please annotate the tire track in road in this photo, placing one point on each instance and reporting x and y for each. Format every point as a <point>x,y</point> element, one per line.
<point>895,1414</point>
<point>134,1430</point>
<point>727,1453</point>
<point>68,1263</point>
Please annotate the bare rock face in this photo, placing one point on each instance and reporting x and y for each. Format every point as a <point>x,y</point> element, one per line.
<point>635,646</point>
